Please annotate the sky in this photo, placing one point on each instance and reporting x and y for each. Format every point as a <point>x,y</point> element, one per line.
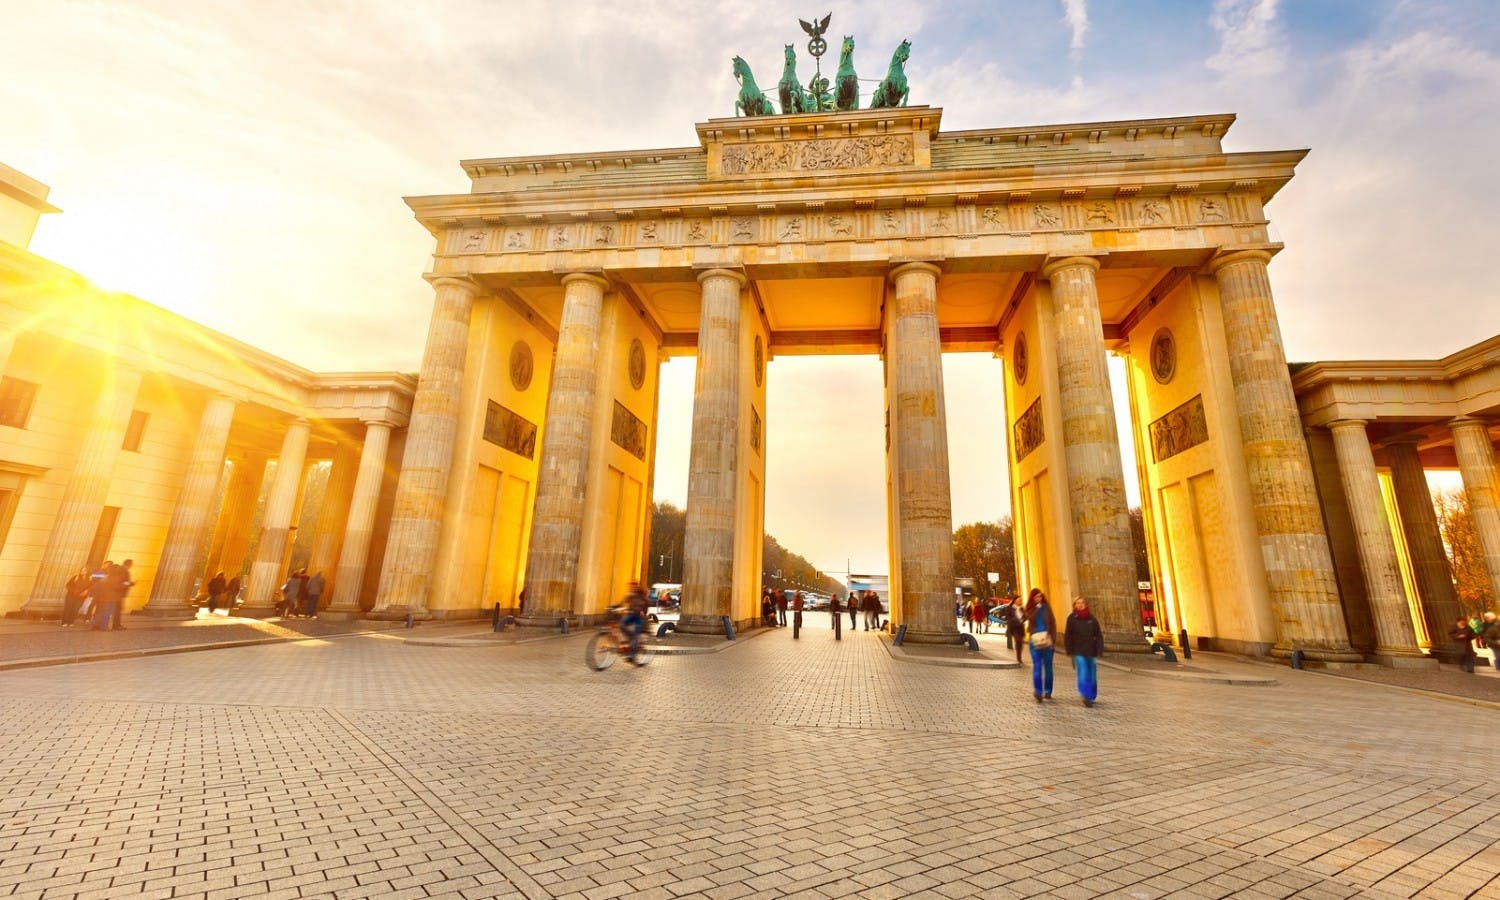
<point>244,164</point>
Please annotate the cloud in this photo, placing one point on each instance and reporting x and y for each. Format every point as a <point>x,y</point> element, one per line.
<point>1076,14</point>
<point>1251,41</point>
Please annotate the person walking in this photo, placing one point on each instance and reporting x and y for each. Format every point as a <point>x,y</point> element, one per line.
<point>836,616</point>
<point>1041,634</point>
<point>780,608</point>
<point>1015,626</point>
<point>291,595</point>
<point>1084,641</point>
<point>976,615</point>
<point>1489,632</point>
<point>111,595</point>
<point>798,602</point>
<point>216,587</point>
<point>854,603</point>
<point>1463,635</point>
<point>231,594</point>
<point>313,588</point>
<point>767,609</point>
<point>74,593</point>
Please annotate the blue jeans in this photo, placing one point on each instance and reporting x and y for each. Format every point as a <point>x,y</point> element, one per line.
<point>1041,670</point>
<point>1088,677</point>
<point>632,625</point>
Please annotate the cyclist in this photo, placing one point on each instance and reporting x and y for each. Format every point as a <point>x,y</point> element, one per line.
<point>633,618</point>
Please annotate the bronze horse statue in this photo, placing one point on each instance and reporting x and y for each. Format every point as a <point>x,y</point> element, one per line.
<point>892,91</point>
<point>752,101</point>
<point>846,83</point>
<point>793,98</point>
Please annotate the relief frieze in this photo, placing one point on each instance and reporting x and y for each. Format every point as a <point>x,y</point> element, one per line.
<point>817,156</point>
<point>628,431</point>
<point>1028,430</point>
<point>510,430</point>
<point>1182,428</point>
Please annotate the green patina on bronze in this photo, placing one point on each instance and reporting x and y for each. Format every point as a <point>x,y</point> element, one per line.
<point>752,101</point>
<point>892,90</point>
<point>821,95</point>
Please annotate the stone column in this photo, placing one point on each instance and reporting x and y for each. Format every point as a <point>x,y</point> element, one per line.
<point>562,478</point>
<point>265,573</point>
<point>360,526</point>
<point>708,534</point>
<point>1396,641</point>
<point>1102,545</point>
<point>417,517</point>
<point>1424,542</point>
<point>333,516</point>
<point>1476,463</point>
<point>192,516</point>
<point>83,499</point>
<point>919,465</point>
<point>1294,548</point>
<point>239,511</point>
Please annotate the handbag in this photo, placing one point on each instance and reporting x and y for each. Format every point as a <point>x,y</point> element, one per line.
<point>1042,640</point>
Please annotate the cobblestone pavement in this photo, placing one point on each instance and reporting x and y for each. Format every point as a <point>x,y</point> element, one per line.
<point>376,766</point>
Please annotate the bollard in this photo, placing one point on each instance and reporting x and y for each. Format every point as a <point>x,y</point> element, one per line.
<point>1187,649</point>
<point>665,627</point>
<point>728,628</point>
<point>410,622</point>
<point>495,622</point>
<point>564,621</point>
<point>1296,659</point>
<point>1166,651</point>
<point>971,641</point>
<point>900,635</point>
<point>797,625</point>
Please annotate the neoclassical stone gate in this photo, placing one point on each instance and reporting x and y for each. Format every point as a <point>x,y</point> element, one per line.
<point>562,281</point>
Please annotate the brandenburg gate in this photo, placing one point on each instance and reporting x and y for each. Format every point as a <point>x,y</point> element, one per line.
<point>563,281</point>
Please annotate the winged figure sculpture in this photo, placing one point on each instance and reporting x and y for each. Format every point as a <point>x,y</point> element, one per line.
<point>818,29</point>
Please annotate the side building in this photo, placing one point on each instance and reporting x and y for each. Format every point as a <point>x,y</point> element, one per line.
<point>130,432</point>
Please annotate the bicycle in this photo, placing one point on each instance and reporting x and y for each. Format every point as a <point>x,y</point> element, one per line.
<point>610,643</point>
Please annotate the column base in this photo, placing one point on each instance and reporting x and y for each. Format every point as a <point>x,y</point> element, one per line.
<point>942,637</point>
<point>341,615</point>
<point>1322,654</point>
<point>41,609</point>
<point>1403,659</point>
<point>548,620</point>
<point>398,614</point>
<point>696,623</point>
<point>253,612</point>
<point>1126,642</point>
<point>167,611</point>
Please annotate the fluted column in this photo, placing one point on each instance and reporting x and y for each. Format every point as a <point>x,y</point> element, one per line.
<point>334,515</point>
<point>1424,543</point>
<point>83,499</point>
<point>236,515</point>
<point>708,533</point>
<point>417,517</point>
<point>1294,548</point>
<point>355,553</point>
<point>192,516</point>
<point>1102,546</point>
<point>1396,641</point>
<point>1476,463</point>
<point>265,572</point>
<point>919,464</point>
<point>562,479</point>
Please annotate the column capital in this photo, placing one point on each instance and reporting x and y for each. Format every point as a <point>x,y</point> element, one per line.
<point>1056,263</point>
<point>1230,257</point>
<point>898,269</point>
<point>719,272</point>
<point>1347,423</point>
<point>461,282</point>
<point>1467,422</point>
<point>594,278</point>
<point>376,421</point>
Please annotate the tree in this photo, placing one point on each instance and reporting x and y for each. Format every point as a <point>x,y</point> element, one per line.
<point>1138,544</point>
<point>667,526</point>
<point>1471,578</point>
<point>983,547</point>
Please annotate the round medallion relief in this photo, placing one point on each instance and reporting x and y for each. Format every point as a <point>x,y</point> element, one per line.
<point>520,365</point>
<point>760,362</point>
<point>637,364</point>
<point>1019,359</point>
<point>1163,356</point>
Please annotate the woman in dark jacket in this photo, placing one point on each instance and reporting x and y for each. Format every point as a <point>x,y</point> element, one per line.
<point>1085,643</point>
<point>1041,631</point>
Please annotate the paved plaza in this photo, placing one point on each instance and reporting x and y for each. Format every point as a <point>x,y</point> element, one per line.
<point>441,762</point>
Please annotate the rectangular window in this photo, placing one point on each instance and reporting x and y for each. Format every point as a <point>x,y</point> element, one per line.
<point>134,430</point>
<point>16,397</point>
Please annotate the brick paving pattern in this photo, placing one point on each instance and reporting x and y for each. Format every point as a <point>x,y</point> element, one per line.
<point>376,766</point>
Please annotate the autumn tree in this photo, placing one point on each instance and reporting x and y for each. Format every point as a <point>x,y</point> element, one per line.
<point>983,547</point>
<point>1470,576</point>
